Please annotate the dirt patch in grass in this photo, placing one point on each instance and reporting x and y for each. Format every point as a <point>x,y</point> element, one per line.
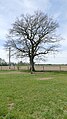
<point>10,106</point>
<point>13,72</point>
<point>46,78</point>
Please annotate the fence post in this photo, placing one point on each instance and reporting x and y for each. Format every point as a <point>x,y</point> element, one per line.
<point>60,67</point>
<point>43,67</point>
<point>0,67</point>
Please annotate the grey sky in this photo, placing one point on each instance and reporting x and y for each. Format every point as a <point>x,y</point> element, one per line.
<point>10,10</point>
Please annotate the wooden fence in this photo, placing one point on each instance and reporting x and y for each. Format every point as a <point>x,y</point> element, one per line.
<point>37,67</point>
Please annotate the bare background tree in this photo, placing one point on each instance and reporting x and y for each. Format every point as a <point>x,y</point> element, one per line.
<point>33,36</point>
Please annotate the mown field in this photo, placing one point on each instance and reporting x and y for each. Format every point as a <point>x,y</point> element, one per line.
<point>42,95</point>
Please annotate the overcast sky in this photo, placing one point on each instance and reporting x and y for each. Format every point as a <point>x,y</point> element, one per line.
<point>11,9</point>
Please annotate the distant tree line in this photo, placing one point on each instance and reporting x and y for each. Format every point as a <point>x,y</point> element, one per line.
<point>3,62</point>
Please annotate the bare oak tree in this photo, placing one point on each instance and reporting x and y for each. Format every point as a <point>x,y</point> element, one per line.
<point>33,36</point>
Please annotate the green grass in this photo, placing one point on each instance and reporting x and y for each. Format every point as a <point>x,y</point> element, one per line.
<point>25,96</point>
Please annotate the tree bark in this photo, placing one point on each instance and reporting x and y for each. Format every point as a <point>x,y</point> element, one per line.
<point>32,64</point>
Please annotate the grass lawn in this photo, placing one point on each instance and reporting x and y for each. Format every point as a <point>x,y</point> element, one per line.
<point>33,96</point>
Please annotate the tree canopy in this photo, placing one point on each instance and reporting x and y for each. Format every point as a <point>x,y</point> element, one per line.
<point>33,36</point>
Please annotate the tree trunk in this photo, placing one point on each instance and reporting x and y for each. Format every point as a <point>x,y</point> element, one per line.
<point>32,64</point>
